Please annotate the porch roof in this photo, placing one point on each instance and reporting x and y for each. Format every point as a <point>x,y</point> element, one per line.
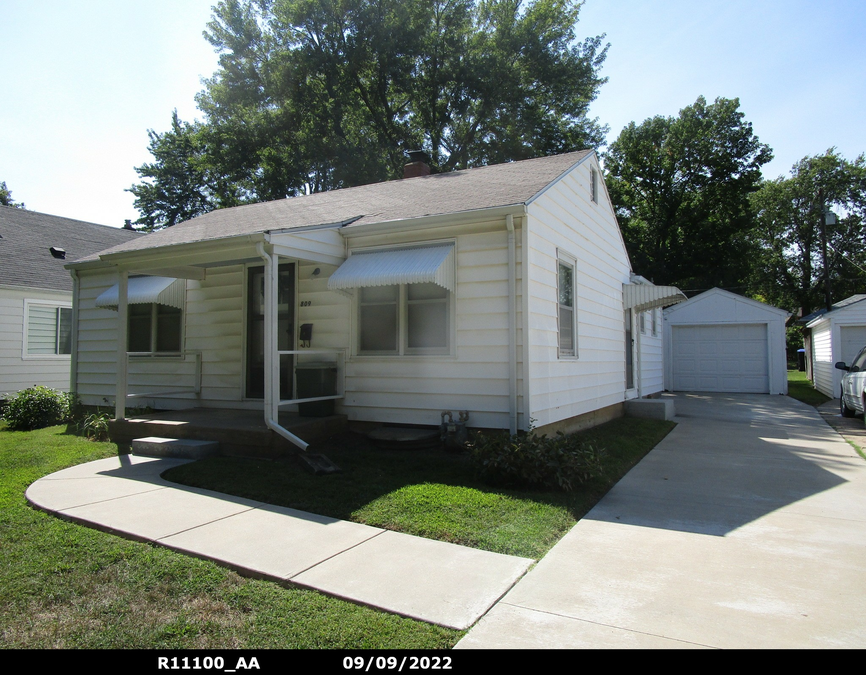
<point>469,190</point>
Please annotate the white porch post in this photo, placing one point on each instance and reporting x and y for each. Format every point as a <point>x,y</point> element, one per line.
<point>272,323</point>
<point>122,339</point>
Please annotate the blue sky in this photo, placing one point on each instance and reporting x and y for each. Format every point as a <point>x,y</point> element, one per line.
<point>83,81</point>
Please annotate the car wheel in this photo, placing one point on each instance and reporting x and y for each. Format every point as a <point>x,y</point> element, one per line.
<point>844,409</point>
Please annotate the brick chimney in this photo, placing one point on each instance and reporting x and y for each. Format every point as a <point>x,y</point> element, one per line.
<point>127,224</point>
<point>417,165</point>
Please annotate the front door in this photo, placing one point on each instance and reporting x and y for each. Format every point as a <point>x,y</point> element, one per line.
<point>256,329</point>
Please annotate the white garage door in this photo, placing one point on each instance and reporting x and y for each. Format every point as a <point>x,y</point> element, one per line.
<point>721,358</point>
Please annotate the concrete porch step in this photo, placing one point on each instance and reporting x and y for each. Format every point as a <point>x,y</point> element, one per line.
<point>179,448</point>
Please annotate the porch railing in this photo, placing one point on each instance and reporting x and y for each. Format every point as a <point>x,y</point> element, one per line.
<point>339,363</point>
<point>196,388</point>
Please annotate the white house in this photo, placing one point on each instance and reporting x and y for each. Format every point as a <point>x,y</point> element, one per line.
<point>36,293</point>
<point>721,342</point>
<point>836,335</point>
<point>504,291</point>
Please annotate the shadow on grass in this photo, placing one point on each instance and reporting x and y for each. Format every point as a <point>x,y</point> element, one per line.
<point>428,493</point>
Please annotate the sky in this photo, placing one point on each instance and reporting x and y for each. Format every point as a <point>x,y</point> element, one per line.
<point>84,81</point>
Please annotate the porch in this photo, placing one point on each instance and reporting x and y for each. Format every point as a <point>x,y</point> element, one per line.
<point>239,432</point>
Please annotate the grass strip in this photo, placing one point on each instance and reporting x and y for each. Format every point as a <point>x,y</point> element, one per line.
<point>429,493</point>
<point>63,585</point>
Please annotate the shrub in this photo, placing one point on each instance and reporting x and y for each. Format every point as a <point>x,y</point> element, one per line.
<point>37,407</point>
<point>561,463</point>
<point>95,426</point>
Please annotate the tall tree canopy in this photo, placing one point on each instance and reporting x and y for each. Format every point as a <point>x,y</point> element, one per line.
<point>314,95</point>
<point>681,186</point>
<point>790,270</point>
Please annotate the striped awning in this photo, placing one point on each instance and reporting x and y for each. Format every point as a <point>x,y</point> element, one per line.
<point>419,265</point>
<point>146,290</point>
<point>642,297</point>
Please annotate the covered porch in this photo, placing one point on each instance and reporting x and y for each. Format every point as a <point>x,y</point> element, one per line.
<point>239,432</point>
<point>170,356</point>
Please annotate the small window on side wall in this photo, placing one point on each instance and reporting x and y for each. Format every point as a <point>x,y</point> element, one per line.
<point>566,314</point>
<point>49,330</point>
<point>593,184</point>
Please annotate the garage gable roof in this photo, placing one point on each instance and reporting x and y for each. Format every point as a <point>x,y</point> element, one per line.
<point>719,292</point>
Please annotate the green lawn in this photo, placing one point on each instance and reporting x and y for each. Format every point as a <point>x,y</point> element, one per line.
<point>429,493</point>
<point>800,388</point>
<point>63,585</point>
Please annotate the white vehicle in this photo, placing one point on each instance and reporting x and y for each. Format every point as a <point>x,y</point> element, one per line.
<point>853,397</point>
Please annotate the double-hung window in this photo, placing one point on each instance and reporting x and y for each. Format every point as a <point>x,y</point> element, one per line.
<point>49,330</point>
<point>566,314</point>
<point>154,328</point>
<point>404,319</point>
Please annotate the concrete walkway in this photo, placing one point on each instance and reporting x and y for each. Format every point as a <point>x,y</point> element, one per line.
<point>745,527</point>
<point>430,580</point>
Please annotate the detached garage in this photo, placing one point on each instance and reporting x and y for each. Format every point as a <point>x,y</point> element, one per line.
<point>837,335</point>
<point>721,342</point>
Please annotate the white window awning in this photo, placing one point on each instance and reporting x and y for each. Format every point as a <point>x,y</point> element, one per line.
<point>642,297</point>
<point>420,265</point>
<point>146,290</point>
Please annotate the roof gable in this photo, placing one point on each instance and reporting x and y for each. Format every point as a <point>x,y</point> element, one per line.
<point>25,240</point>
<point>721,293</point>
<point>838,307</point>
<point>391,201</point>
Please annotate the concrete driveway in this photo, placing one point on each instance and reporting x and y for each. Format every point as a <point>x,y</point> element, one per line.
<point>745,527</point>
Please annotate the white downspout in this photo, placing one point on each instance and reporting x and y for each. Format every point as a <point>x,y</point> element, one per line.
<point>512,327</point>
<point>272,383</point>
<point>122,340</point>
<point>73,359</point>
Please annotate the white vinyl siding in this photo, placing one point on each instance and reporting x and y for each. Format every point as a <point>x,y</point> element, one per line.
<point>564,218</point>
<point>48,330</point>
<point>18,369</point>
<point>473,374</point>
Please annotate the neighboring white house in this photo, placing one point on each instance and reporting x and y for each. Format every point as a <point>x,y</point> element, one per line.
<point>36,293</point>
<point>505,291</point>
<point>836,335</point>
<point>721,342</point>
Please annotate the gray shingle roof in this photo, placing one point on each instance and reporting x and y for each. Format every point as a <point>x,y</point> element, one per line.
<point>27,236</point>
<point>438,194</point>
<point>836,305</point>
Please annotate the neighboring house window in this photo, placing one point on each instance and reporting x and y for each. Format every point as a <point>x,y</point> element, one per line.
<point>655,322</point>
<point>154,328</point>
<point>643,323</point>
<point>593,184</point>
<point>565,291</point>
<point>404,319</point>
<point>49,330</point>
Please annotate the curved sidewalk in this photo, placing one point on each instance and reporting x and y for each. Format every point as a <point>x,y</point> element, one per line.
<point>434,581</point>
<point>744,528</point>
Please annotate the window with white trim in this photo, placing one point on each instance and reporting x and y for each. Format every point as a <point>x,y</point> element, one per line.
<point>566,313</point>
<point>155,328</point>
<point>49,330</point>
<point>593,184</point>
<point>404,319</point>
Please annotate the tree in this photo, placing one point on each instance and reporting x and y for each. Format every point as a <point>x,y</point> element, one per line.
<point>681,187</point>
<point>792,270</point>
<point>314,95</point>
<point>6,197</point>
<point>180,183</point>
